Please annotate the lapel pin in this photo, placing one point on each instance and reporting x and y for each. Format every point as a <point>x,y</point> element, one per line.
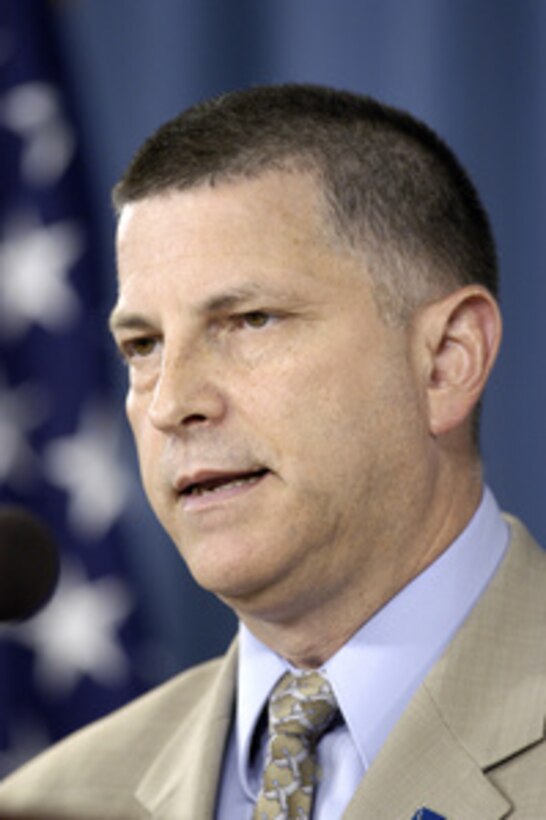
<point>427,814</point>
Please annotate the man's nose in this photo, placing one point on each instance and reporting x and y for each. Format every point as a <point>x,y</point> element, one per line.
<point>187,393</point>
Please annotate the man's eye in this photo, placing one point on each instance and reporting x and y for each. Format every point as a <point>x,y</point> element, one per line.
<point>137,348</point>
<point>255,319</point>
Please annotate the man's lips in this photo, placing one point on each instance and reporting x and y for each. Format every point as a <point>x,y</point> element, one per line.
<point>211,481</point>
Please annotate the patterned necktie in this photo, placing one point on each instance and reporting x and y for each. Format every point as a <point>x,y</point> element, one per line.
<point>301,708</point>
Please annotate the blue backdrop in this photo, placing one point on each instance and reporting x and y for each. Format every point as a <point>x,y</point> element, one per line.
<point>473,69</point>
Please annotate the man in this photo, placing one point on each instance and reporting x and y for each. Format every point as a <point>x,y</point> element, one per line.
<point>307,311</point>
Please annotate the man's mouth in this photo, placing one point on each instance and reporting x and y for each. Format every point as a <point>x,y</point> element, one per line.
<point>214,484</point>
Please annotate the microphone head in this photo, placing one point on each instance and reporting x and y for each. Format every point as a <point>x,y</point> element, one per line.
<point>29,564</point>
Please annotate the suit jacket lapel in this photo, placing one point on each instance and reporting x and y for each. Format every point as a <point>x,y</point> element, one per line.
<point>491,683</point>
<point>422,764</point>
<point>482,703</point>
<point>182,782</point>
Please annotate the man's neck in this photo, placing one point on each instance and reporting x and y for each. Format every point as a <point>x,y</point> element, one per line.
<point>313,636</point>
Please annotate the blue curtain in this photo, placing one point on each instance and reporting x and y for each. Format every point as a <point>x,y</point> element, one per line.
<point>475,70</point>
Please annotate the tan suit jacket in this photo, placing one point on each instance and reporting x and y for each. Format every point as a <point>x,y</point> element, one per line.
<point>470,746</point>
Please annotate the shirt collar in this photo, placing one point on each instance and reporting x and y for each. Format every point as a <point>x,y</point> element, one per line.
<point>392,651</point>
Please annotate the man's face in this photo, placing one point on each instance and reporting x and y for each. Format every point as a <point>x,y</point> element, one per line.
<point>280,424</point>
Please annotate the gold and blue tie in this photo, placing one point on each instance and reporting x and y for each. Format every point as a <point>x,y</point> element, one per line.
<point>301,708</point>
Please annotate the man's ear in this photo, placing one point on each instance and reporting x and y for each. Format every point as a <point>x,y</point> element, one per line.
<point>459,340</point>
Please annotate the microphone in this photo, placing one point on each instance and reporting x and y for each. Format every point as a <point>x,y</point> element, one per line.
<point>29,564</point>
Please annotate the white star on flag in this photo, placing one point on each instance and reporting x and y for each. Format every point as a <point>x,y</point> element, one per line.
<point>35,262</point>
<point>75,635</point>
<point>33,111</point>
<point>88,467</point>
<point>22,410</point>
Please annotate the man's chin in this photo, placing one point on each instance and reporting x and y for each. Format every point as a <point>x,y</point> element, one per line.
<point>246,592</point>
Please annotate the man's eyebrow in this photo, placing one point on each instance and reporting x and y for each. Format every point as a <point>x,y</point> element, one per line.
<point>231,298</point>
<point>225,300</point>
<point>119,320</point>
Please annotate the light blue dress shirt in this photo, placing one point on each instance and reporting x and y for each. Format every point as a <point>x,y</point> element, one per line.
<point>373,675</point>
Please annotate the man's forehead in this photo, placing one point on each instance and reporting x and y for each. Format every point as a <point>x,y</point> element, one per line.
<point>234,241</point>
<point>294,197</point>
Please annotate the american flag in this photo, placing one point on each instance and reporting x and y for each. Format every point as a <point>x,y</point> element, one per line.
<point>59,433</point>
